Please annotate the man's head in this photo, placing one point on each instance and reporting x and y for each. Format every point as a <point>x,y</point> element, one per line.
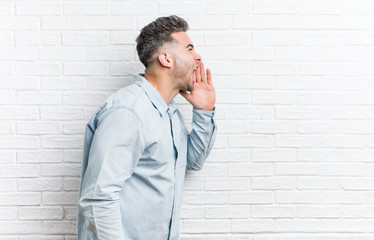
<point>155,35</point>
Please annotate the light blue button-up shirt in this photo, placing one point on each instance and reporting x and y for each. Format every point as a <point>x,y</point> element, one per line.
<point>136,152</point>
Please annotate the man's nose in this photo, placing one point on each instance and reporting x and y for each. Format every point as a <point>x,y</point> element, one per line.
<point>197,57</point>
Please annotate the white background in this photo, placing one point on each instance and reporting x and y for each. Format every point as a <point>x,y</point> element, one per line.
<point>294,156</point>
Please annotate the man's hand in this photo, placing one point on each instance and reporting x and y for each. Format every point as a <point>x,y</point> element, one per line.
<point>203,96</point>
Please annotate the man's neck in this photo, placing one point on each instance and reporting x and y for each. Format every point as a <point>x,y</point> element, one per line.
<point>163,85</point>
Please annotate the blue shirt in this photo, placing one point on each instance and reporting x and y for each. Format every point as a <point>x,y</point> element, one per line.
<point>136,152</point>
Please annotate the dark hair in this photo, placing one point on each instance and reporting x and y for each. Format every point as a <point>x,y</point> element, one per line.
<point>155,34</point>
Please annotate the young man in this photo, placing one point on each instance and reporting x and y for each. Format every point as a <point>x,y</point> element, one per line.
<point>137,148</point>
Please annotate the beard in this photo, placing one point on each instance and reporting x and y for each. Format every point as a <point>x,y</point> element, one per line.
<point>184,76</point>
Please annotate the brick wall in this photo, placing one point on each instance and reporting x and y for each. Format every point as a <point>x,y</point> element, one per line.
<point>294,157</point>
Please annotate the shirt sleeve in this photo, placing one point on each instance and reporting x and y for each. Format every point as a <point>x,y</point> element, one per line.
<point>201,138</point>
<point>116,148</point>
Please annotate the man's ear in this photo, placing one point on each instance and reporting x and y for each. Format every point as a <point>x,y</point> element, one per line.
<point>165,59</point>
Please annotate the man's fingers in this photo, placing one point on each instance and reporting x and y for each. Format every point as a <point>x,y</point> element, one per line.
<point>202,72</point>
<point>209,76</point>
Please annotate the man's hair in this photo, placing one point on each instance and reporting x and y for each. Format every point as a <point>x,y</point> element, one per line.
<point>156,34</point>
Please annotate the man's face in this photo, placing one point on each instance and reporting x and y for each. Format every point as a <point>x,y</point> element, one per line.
<point>186,61</point>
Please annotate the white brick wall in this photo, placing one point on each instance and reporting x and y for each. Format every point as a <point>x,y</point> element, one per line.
<point>295,84</point>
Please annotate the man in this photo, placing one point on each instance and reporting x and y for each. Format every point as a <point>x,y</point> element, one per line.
<point>136,145</point>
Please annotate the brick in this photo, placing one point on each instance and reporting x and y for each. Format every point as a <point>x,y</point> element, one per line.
<point>19,142</point>
<point>60,198</point>
<point>18,53</point>
<point>85,39</point>
<point>193,184</point>
<point>39,184</point>
<point>140,8</point>
<point>109,54</point>
<point>19,83</point>
<point>319,7</point>
<point>313,183</point>
<point>6,9</point>
<point>64,23</point>
<point>253,197</point>
<point>343,169</point>
<point>73,156</point>
<point>192,212</point>
<point>249,170</point>
<point>271,97</point>
<point>37,69</point>
<point>58,113</point>
<point>6,128</point>
<point>297,141</point>
<point>252,226</point>
<point>260,68</point>
<point>8,213</point>
<point>70,213</point>
<point>37,38</point>
<point>209,22</point>
<point>250,141</point>
<point>92,8</point>
<point>274,38</point>
<point>62,170</point>
<point>85,69</point>
<point>123,37</point>
<point>41,98</point>
<point>61,53</point>
<point>296,169</point>
<point>40,213</point>
<point>37,9</point>
<point>7,157</point>
<point>273,183</point>
<point>234,38</point>
<point>93,99</point>
<point>252,112</point>
<point>39,156</point>
<point>226,184</point>
<point>274,155</point>
<point>251,53</point>
<point>20,227</point>
<point>16,170</point>
<point>125,69</point>
<point>273,212</point>
<point>60,83</point>
<point>254,22</point>
<point>204,198</point>
<point>8,185</point>
<point>226,155</point>
<point>321,225</point>
<point>19,23</point>
<point>233,97</point>
<point>108,83</point>
<point>19,199</point>
<point>59,227</point>
<point>205,226</point>
<point>111,23</point>
<point>275,7</point>
<point>231,212</point>
<point>71,184</point>
<point>74,128</point>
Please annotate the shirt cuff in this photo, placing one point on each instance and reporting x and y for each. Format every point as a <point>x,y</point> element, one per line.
<point>201,116</point>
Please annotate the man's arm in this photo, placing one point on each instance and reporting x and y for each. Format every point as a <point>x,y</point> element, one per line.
<point>201,138</point>
<point>204,129</point>
<point>115,151</point>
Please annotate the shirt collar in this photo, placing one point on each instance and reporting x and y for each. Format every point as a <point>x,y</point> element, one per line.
<point>153,95</point>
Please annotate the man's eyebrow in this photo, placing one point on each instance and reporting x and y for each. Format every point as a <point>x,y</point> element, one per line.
<point>190,45</point>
